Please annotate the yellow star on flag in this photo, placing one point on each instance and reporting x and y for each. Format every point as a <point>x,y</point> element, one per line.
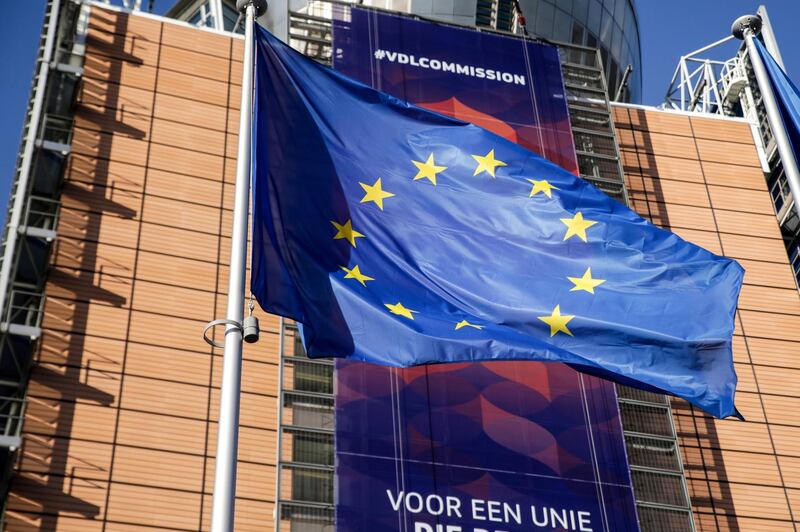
<point>557,322</point>
<point>585,283</point>
<point>400,310</point>
<point>346,231</point>
<point>464,323</point>
<point>428,169</point>
<point>487,163</point>
<point>355,273</point>
<point>375,193</point>
<point>542,186</point>
<point>577,226</point>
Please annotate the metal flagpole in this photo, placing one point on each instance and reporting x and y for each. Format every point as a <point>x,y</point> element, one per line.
<point>747,27</point>
<point>222,511</point>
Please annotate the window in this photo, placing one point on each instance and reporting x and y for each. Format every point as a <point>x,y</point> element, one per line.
<point>794,258</point>
<point>505,15</point>
<point>578,33</point>
<point>483,13</point>
<point>312,376</point>
<point>203,16</point>
<point>315,415</point>
<point>297,348</point>
<point>580,10</point>
<point>616,43</point>
<point>562,26</point>
<point>591,41</point>
<point>229,18</point>
<point>312,485</point>
<point>544,19</point>
<point>619,10</point>
<point>595,16</point>
<point>778,185</point>
<point>606,27</point>
<point>658,488</point>
<point>311,448</point>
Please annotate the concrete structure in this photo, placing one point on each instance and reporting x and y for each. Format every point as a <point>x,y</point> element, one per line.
<point>120,423</point>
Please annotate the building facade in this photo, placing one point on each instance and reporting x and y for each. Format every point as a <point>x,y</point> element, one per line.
<point>610,26</point>
<point>701,177</point>
<point>133,154</point>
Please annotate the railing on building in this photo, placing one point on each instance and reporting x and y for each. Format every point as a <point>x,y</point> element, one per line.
<point>32,217</point>
<point>702,84</point>
<point>656,467</point>
<point>728,87</point>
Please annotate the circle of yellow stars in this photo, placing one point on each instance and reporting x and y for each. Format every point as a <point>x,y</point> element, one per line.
<point>576,226</point>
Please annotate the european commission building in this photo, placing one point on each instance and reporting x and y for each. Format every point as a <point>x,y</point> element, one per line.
<point>118,233</point>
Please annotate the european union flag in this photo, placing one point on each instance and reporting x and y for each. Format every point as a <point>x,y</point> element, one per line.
<point>399,236</point>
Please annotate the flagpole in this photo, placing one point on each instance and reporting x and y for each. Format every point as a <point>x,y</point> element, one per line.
<point>747,27</point>
<point>222,510</point>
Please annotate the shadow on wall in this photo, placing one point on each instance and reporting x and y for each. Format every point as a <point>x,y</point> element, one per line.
<point>703,463</point>
<point>52,480</point>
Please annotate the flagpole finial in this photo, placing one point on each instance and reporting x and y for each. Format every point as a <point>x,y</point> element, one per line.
<point>744,23</point>
<point>260,5</point>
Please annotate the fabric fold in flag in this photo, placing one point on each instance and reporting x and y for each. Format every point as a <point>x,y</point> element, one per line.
<point>398,236</point>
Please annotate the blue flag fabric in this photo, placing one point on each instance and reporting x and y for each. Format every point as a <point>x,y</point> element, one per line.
<point>399,236</point>
<point>786,94</point>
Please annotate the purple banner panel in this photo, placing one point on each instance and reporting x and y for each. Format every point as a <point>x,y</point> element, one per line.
<point>477,447</point>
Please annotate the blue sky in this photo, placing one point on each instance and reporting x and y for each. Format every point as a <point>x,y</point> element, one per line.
<point>668,30</point>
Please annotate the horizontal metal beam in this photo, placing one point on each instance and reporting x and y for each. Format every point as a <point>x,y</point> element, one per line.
<point>38,232</point>
<point>10,442</point>
<point>54,146</point>
<point>21,330</point>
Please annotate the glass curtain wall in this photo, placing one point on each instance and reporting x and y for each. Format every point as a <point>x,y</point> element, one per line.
<point>610,25</point>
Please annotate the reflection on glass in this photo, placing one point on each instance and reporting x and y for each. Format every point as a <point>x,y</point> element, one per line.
<point>609,25</point>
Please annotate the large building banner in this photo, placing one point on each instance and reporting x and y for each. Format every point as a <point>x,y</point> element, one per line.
<point>479,447</point>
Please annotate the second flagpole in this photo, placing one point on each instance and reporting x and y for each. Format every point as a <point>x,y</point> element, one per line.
<point>222,510</point>
<point>746,28</point>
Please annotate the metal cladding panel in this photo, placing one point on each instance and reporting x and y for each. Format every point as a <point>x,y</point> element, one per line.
<point>507,445</point>
<point>701,178</point>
